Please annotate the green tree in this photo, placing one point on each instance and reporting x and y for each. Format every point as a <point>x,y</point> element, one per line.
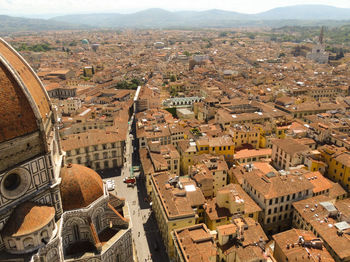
<point>186,53</point>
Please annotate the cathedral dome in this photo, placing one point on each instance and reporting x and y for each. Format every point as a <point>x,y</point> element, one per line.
<point>24,219</point>
<point>23,100</point>
<point>80,186</point>
<point>26,119</point>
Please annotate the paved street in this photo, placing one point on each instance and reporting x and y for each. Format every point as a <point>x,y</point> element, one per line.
<point>146,235</point>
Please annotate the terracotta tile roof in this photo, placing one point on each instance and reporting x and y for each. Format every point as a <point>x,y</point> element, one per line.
<point>319,182</point>
<point>249,204</point>
<point>278,185</point>
<point>92,137</point>
<point>28,218</point>
<point>17,116</point>
<point>196,243</point>
<point>290,146</point>
<point>249,248</point>
<point>344,158</point>
<point>146,162</point>
<point>287,242</point>
<point>314,213</point>
<point>226,230</point>
<point>252,153</point>
<point>80,186</point>
<point>336,191</point>
<point>28,77</point>
<point>177,202</point>
<point>264,167</point>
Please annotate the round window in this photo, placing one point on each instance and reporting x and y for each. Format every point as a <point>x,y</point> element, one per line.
<point>15,183</point>
<point>12,181</point>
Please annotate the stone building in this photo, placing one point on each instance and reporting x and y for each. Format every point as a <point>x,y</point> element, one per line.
<point>97,149</point>
<point>49,212</point>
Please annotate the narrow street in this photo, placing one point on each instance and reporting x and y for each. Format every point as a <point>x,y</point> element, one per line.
<point>146,236</point>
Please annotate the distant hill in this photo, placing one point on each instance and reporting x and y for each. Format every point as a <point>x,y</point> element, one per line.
<point>306,12</point>
<point>159,18</point>
<point>15,24</point>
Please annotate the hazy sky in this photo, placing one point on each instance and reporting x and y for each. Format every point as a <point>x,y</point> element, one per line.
<point>20,7</point>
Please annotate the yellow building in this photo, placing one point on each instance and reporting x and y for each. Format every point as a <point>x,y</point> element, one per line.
<point>210,173</point>
<point>315,162</point>
<point>230,201</point>
<point>216,146</point>
<point>244,135</point>
<point>338,162</point>
<point>188,151</point>
<point>176,203</point>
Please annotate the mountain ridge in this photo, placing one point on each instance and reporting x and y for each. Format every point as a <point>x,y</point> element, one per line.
<point>161,18</point>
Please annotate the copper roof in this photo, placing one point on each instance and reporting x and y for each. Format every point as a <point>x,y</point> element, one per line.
<point>27,218</point>
<point>80,187</point>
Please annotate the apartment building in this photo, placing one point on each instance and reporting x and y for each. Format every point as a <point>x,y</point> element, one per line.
<point>249,156</point>
<point>275,193</point>
<point>177,203</point>
<point>96,149</point>
<point>210,174</point>
<point>328,220</point>
<point>194,243</point>
<point>216,146</point>
<point>338,164</point>
<point>242,240</point>
<point>146,134</point>
<point>164,158</point>
<point>309,108</point>
<point>70,106</point>
<point>177,133</point>
<point>230,201</point>
<point>188,151</point>
<point>156,158</point>
<point>288,153</point>
<point>299,245</point>
<point>245,136</point>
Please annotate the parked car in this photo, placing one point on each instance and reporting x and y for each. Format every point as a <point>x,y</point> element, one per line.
<point>131,184</point>
<point>110,185</point>
<point>129,180</point>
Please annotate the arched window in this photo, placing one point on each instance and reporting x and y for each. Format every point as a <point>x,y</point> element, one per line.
<point>12,244</point>
<point>44,234</point>
<point>28,242</point>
